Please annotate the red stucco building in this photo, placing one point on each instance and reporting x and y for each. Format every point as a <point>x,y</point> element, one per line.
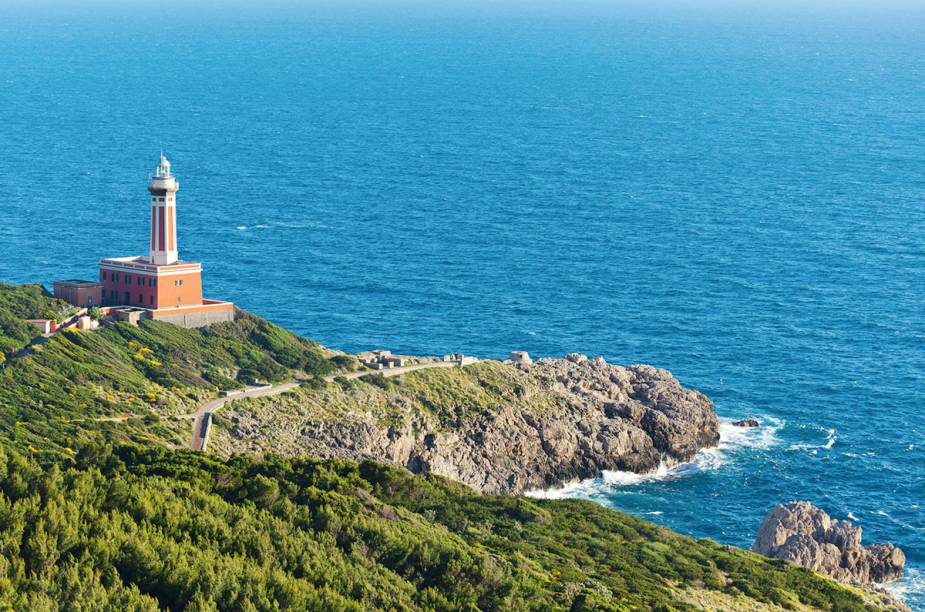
<point>85,294</point>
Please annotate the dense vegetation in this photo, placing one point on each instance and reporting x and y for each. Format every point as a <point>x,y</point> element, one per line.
<point>135,528</point>
<point>54,392</point>
<point>102,515</point>
<point>18,302</point>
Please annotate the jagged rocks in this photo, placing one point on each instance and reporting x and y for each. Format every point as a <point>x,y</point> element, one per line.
<point>497,427</point>
<point>803,534</point>
<point>749,422</point>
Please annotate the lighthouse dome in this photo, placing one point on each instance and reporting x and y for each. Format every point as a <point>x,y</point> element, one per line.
<point>163,168</point>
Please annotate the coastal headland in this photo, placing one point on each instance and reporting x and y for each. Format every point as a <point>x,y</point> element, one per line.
<point>497,427</point>
<point>95,425</point>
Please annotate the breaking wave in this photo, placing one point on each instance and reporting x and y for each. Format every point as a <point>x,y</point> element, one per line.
<point>831,438</point>
<point>909,587</point>
<point>732,439</point>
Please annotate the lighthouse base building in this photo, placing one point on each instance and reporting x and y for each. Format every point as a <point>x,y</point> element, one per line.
<point>171,292</point>
<point>157,286</point>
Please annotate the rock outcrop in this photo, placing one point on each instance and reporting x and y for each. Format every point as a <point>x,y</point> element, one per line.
<point>499,428</point>
<point>749,422</point>
<point>803,534</point>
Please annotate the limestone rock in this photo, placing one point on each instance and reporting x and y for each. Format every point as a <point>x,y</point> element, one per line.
<point>749,422</point>
<point>564,419</point>
<point>803,534</point>
<point>886,562</point>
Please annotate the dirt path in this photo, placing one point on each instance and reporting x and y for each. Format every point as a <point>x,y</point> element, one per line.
<point>200,434</point>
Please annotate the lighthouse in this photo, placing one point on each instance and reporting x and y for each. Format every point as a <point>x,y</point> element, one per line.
<point>163,188</point>
<point>160,285</point>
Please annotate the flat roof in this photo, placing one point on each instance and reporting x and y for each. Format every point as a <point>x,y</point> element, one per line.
<point>140,261</point>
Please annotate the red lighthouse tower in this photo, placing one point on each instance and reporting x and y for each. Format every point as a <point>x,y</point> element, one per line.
<point>163,188</point>
<point>162,285</point>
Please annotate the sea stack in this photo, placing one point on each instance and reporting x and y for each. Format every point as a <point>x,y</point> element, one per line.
<point>803,534</point>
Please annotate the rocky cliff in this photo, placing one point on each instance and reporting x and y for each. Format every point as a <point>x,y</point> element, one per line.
<point>497,427</point>
<point>803,534</point>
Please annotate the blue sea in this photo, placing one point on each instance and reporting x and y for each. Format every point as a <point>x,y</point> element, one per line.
<point>735,194</point>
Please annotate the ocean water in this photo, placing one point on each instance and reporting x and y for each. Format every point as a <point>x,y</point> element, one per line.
<point>737,196</point>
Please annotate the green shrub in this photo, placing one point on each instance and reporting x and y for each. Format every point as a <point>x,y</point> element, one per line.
<point>148,528</point>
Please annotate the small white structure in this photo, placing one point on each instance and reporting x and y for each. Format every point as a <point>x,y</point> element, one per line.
<point>520,357</point>
<point>130,315</point>
<point>371,357</point>
<point>380,359</point>
<point>46,326</point>
<point>85,323</point>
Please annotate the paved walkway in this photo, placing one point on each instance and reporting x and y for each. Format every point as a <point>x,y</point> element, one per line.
<point>199,441</point>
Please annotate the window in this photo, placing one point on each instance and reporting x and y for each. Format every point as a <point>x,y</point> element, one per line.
<point>160,199</point>
<point>141,282</point>
<point>115,277</point>
<point>128,298</point>
<point>102,276</point>
<point>141,299</point>
<point>112,295</point>
<point>152,282</point>
<point>178,283</point>
<point>152,300</point>
<point>128,279</point>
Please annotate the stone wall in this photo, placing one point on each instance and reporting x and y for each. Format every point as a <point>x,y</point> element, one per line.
<point>199,319</point>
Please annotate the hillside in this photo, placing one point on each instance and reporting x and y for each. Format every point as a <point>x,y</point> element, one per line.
<point>60,391</point>
<point>135,528</point>
<point>101,513</point>
<point>25,302</point>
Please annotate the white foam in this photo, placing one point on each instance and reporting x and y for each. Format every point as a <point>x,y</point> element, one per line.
<point>731,439</point>
<point>763,437</point>
<point>569,490</point>
<point>623,479</point>
<point>242,227</point>
<point>912,585</point>
<point>831,438</point>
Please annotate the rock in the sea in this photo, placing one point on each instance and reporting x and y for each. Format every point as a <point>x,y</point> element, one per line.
<point>803,534</point>
<point>749,422</point>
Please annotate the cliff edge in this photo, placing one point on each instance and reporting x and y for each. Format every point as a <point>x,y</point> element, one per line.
<point>498,427</point>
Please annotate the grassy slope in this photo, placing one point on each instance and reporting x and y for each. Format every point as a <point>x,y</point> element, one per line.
<point>145,526</point>
<point>443,397</point>
<point>50,398</point>
<point>18,302</point>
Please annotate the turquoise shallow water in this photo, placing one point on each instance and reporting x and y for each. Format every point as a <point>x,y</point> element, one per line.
<point>737,198</point>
